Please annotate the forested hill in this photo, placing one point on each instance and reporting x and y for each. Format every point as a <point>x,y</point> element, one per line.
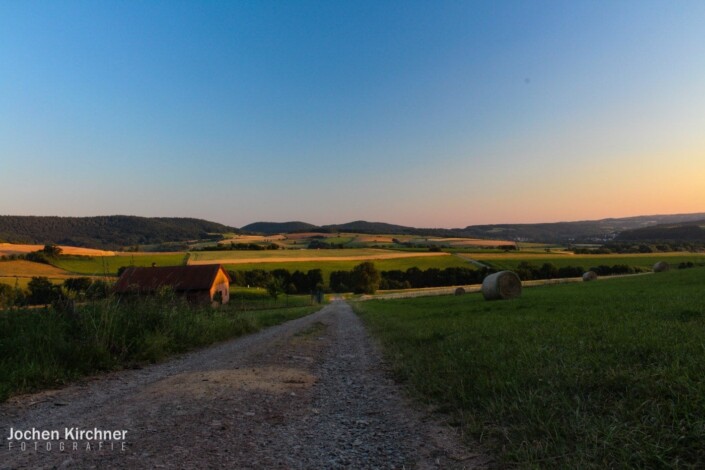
<point>270,228</point>
<point>106,232</point>
<point>587,230</point>
<point>556,232</point>
<point>688,232</point>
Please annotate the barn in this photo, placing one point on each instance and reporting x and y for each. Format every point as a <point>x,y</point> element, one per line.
<point>198,284</point>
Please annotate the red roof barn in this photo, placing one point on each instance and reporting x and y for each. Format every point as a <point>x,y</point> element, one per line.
<point>199,283</point>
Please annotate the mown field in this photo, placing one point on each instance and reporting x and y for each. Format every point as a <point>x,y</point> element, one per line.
<point>21,268</point>
<point>591,375</point>
<point>20,272</point>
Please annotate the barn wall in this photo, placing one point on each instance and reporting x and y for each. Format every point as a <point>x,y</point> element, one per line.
<point>221,283</point>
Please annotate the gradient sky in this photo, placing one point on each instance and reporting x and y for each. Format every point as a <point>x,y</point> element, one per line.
<point>431,114</point>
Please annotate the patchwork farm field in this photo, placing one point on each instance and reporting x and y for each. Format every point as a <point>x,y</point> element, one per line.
<point>590,375</point>
<point>278,256</point>
<point>7,249</point>
<point>28,269</point>
<point>109,265</point>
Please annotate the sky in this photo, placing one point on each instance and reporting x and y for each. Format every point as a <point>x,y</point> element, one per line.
<point>420,113</point>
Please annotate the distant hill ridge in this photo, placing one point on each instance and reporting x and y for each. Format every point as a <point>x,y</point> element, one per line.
<point>119,231</point>
<point>686,231</point>
<point>270,228</point>
<point>106,232</point>
<point>553,232</point>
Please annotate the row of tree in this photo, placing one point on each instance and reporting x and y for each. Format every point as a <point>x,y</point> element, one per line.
<point>364,278</point>
<point>41,291</point>
<point>628,248</point>
<point>280,280</point>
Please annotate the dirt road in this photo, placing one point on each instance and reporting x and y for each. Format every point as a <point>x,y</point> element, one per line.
<point>311,393</point>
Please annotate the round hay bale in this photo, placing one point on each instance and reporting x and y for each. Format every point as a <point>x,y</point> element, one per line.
<point>459,291</point>
<point>501,286</point>
<point>589,276</point>
<point>661,266</point>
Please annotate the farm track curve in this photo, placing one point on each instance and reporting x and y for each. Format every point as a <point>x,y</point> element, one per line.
<point>310,393</point>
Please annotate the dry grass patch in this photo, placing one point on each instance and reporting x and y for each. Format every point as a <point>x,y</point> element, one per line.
<point>7,249</point>
<point>22,268</point>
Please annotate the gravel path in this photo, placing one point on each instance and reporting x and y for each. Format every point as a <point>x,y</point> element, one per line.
<point>311,393</point>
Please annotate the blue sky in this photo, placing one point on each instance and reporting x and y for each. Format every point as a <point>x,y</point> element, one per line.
<point>418,113</point>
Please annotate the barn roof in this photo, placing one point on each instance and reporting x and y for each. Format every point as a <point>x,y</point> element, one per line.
<point>180,278</point>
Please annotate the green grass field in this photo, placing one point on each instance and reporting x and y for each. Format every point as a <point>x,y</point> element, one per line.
<point>257,298</point>
<point>560,259</point>
<point>593,375</point>
<point>109,265</point>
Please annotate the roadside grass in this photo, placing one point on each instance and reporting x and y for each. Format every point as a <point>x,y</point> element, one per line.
<point>591,375</point>
<point>109,265</point>
<point>257,298</point>
<point>47,348</point>
<point>560,259</point>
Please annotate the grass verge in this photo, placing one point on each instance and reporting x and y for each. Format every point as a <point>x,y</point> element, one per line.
<point>592,375</point>
<point>45,348</point>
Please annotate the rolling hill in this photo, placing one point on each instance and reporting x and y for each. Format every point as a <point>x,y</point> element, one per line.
<point>106,232</point>
<point>687,231</point>
<point>556,232</point>
<point>119,231</point>
<point>271,228</point>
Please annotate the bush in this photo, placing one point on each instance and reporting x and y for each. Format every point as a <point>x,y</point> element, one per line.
<point>365,278</point>
<point>42,291</point>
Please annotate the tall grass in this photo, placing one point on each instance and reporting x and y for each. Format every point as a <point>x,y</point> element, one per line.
<point>594,375</point>
<point>44,348</point>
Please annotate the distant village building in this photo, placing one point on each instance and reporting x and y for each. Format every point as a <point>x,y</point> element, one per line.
<point>198,284</point>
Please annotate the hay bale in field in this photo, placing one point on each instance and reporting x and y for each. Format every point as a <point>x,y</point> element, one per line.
<point>589,276</point>
<point>459,291</point>
<point>661,266</point>
<point>501,286</point>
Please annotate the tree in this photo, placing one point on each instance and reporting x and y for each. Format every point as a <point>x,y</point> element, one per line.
<point>98,290</point>
<point>41,291</point>
<point>365,278</point>
<point>314,278</point>
<point>78,284</point>
<point>7,296</point>
<point>52,250</point>
<point>274,288</point>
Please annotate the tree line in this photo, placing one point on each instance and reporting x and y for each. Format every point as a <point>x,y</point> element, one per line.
<point>41,291</point>
<point>629,248</point>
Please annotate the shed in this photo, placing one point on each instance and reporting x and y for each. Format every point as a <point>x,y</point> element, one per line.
<point>198,284</point>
